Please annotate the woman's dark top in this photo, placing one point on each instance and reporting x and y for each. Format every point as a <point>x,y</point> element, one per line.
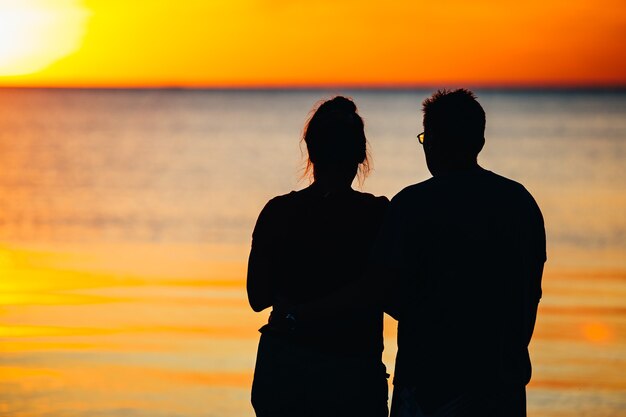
<point>306,245</point>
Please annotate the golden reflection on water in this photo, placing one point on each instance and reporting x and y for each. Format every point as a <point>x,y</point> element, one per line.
<point>598,332</point>
<point>108,330</point>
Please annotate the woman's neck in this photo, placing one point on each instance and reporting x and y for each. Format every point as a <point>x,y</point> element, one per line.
<point>326,186</point>
<point>333,180</point>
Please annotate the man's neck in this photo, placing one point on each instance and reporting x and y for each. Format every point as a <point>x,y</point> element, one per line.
<point>457,167</point>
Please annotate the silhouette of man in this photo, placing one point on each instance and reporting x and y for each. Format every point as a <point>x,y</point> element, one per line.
<point>466,250</point>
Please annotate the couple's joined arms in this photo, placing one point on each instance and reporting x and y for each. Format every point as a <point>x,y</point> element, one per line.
<point>376,289</point>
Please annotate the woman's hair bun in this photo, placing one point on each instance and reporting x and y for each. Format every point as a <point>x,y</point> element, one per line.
<point>340,104</point>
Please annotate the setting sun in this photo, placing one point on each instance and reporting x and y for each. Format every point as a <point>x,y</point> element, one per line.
<point>36,33</point>
<point>269,43</point>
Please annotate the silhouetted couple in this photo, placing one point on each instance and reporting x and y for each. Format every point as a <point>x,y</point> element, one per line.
<point>456,259</point>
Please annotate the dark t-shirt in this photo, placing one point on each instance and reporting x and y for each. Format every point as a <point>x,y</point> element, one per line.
<point>316,244</point>
<point>465,251</point>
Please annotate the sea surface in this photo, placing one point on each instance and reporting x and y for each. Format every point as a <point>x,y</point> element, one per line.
<point>125,223</point>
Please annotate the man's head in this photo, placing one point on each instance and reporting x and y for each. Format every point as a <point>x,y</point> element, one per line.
<point>454,130</point>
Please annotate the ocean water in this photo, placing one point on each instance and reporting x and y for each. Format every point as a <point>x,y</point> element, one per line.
<point>125,222</point>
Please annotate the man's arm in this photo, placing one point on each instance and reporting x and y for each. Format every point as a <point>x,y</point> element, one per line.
<point>534,260</point>
<point>534,275</point>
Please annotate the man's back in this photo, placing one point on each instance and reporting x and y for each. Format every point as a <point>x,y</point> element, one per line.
<point>468,248</point>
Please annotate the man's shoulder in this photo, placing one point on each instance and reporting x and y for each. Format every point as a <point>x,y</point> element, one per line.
<point>511,188</point>
<point>433,184</point>
<point>513,198</point>
<point>494,186</point>
<point>414,192</point>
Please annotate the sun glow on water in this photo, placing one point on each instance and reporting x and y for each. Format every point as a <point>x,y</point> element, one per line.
<point>36,33</point>
<point>597,332</point>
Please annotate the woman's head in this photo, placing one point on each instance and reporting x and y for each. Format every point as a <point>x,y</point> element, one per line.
<point>335,139</point>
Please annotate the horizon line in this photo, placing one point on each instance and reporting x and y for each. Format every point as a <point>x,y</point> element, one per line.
<point>326,87</point>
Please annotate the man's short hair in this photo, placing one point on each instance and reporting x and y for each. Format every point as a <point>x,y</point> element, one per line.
<point>454,116</point>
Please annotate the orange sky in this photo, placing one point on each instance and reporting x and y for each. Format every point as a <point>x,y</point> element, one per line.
<point>311,43</point>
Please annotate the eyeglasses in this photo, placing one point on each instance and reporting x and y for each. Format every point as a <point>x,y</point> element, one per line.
<point>420,138</point>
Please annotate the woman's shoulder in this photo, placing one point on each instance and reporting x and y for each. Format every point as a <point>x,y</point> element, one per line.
<point>279,202</point>
<point>285,203</point>
<point>377,203</point>
<point>371,198</point>
<point>272,215</point>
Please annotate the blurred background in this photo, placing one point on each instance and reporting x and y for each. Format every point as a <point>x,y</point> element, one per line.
<point>139,141</point>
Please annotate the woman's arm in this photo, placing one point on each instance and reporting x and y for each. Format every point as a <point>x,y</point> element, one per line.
<point>261,263</point>
<point>259,282</point>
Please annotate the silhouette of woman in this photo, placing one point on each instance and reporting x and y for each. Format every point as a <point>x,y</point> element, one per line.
<point>306,245</point>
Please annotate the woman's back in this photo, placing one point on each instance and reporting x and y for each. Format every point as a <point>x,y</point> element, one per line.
<point>317,243</point>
